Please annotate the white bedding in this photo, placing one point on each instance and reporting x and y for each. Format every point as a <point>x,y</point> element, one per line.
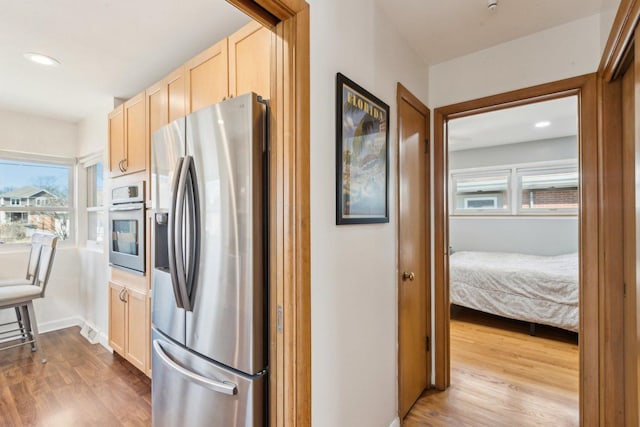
<point>539,289</point>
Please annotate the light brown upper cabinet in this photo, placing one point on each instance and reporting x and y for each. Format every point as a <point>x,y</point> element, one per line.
<point>231,67</point>
<point>127,137</point>
<point>166,101</point>
<point>249,60</point>
<point>116,140</point>
<point>207,77</point>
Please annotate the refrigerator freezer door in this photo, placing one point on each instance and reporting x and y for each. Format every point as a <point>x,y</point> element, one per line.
<point>191,391</point>
<point>168,147</point>
<point>226,323</point>
<point>165,315</point>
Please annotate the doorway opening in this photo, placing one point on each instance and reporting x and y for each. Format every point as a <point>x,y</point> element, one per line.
<point>584,89</point>
<point>513,203</point>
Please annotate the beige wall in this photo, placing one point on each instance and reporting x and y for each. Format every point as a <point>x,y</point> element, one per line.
<point>353,268</point>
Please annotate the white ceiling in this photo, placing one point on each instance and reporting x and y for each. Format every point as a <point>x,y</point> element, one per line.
<point>513,125</point>
<point>108,48</point>
<point>115,48</point>
<point>440,30</point>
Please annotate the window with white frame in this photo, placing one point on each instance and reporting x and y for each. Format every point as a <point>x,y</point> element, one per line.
<point>36,194</point>
<point>95,204</point>
<point>528,189</point>
<point>548,190</point>
<point>481,192</point>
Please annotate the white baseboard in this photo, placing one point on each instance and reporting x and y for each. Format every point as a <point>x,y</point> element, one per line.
<point>87,330</point>
<point>54,325</point>
<point>395,422</point>
<point>104,341</point>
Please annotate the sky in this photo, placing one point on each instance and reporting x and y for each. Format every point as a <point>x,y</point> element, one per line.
<point>16,174</point>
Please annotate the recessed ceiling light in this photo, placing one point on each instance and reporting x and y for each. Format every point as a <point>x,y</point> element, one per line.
<point>41,59</point>
<point>543,124</point>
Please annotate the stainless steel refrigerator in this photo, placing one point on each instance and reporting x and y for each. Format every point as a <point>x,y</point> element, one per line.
<point>209,270</point>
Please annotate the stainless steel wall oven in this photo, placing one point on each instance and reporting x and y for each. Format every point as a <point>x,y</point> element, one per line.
<point>126,228</point>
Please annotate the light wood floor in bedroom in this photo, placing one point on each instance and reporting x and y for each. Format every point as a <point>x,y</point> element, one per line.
<point>502,376</point>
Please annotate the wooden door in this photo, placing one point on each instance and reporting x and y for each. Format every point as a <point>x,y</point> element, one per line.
<point>116,140</point>
<point>208,77</point>
<point>631,195</point>
<point>117,322</point>
<point>135,134</point>
<point>414,276</point>
<point>250,60</point>
<point>137,328</point>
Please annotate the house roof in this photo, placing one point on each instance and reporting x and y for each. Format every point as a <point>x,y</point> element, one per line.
<point>26,193</point>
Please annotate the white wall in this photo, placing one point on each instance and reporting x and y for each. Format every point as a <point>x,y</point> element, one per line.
<point>565,148</point>
<point>565,51</point>
<point>353,269</point>
<point>38,135</point>
<point>527,235</point>
<point>94,263</point>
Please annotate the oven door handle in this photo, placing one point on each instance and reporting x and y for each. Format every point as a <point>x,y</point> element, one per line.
<point>181,270</point>
<point>173,226</point>
<point>125,208</point>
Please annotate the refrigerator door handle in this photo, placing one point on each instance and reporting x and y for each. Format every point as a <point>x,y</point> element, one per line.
<point>193,236</point>
<point>225,387</point>
<point>173,226</point>
<point>178,246</point>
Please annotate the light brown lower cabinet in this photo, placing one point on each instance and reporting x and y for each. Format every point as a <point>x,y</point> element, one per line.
<point>128,324</point>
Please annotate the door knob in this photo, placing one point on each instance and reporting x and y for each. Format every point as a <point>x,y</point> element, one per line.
<point>408,276</point>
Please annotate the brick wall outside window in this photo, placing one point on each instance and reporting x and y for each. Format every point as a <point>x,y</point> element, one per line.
<point>550,198</point>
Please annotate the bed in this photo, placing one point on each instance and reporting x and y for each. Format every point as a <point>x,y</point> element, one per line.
<point>536,289</point>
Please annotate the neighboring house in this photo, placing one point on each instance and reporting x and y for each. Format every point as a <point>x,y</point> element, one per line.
<point>29,197</point>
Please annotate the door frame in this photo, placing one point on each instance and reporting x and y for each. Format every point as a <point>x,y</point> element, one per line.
<point>591,221</point>
<point>621,52</point>
<point>404,95</point>
<point>289,209</point>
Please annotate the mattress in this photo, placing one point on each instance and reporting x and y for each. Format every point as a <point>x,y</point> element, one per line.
<point>538,289</point>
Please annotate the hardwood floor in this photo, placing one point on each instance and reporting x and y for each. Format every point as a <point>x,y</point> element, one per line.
<point>501,376</point>
<point>80,385</point>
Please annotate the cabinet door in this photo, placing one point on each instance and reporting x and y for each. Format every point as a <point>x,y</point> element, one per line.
<point>137,331</point>
<point>250,61</point>
<point>207,77</point>
<point>177,100</point>
<point>116,141</point>
<point>135,135</point>
<point>156,107</point>
<point>117,318</point>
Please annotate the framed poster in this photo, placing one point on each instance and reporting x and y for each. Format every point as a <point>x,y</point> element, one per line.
<point>362,155</point>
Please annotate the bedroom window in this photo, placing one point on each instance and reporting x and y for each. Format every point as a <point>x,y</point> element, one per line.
<point>36,194</point>
<point>548,190</point>
<point>481,192</point>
